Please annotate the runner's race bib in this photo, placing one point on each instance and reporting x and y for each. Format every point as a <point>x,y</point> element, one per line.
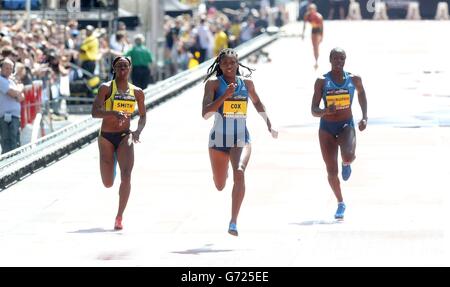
<point>124,103</point>
<point>341,101</point>
<point>235,109</point>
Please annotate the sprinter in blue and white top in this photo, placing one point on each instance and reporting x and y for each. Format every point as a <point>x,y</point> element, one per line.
<point>226,98</point>
<point>337,129</point>
<point>230,127</point>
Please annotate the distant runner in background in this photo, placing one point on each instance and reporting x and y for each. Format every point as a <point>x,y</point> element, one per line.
<point>316,20</point>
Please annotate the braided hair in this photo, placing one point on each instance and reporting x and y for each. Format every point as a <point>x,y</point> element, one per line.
<point>215,67</point>
<point>114,62</point>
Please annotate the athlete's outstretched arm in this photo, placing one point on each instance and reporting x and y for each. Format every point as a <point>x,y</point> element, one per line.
<point>209,106</point>
<point>362,99</point>
<point>317,97</point>
<point>257,103</point>
<point>140,98</point>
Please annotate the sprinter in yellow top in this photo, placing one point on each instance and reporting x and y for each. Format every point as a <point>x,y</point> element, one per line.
<point>115,103</point>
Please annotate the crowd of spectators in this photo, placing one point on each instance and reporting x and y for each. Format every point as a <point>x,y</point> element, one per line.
<point>72,61</point>
<point>190,41</point>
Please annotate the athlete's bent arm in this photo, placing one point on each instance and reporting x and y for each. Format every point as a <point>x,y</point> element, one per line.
<point>257,103</point>
<point>98,110</point>
<point>315,105</point>
<point>210,106</point>
<point>362,99</point>
<point>142,114</point>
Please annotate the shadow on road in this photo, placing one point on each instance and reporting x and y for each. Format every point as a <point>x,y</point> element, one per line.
<point>93,230</point>
<point>206,249</point>
<point>317,222</point>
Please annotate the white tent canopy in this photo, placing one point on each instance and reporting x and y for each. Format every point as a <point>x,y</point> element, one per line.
<point>173,7</point>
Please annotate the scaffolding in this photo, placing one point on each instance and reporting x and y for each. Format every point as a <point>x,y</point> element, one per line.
<point>51,10</point>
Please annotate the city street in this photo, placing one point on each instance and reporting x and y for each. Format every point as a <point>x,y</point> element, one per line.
<point>397,202</point>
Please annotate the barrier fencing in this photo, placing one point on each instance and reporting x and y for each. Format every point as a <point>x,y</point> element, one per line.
<point>23,161</point>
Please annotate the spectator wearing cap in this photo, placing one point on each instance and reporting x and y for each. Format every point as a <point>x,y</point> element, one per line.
<point>89,51</point>
<point>141,58</point>
<point>71,39</point>
<point>72,45</point>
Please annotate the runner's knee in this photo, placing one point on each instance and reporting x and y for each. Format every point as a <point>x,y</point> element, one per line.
<point>125,175</point>
<point>108,183</point>
<point>348,157</point>
<point>220,183</point>
<point>332,172</point>
<point>238,176</point>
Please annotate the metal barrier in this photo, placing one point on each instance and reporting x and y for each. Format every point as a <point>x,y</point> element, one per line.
<point>23,161</point>
<point>32,103</point>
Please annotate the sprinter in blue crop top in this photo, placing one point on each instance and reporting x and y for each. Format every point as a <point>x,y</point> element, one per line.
<point>226,97</point>
<point>336,89</point>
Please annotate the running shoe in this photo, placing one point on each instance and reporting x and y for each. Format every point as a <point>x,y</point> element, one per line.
<point>346,171</point>
<point>340,211</point>
<point>232,229</point>
<point>118,223</point>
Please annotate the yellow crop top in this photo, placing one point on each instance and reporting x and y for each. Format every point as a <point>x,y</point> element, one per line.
<point>121,102</point>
